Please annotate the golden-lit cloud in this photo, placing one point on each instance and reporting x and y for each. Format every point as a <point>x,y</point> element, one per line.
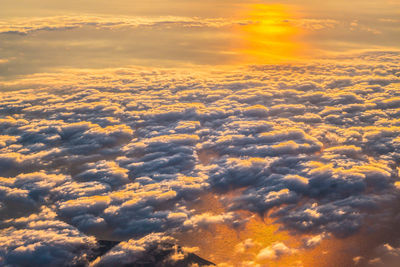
<point>272,164</point>
<point>240,133</point>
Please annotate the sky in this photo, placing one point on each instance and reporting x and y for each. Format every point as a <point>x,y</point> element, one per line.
<point>250,133</point>
<point>101,34</point>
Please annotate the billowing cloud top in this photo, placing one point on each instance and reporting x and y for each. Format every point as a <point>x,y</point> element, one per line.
<point>125,154</point>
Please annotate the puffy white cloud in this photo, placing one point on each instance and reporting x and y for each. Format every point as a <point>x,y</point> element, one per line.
<point>132,251</point>
<point>107,172</point>
<point>124,154</point>
<point>25,193</point>
<point>275,251</point>
<point>43,240</point>
<point>154,250</point>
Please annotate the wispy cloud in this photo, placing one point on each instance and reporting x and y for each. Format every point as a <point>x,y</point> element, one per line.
<point>28,25</point>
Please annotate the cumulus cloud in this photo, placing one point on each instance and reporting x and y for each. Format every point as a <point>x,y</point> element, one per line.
<point>275,251</point>
<point>126,154</point>
<point>154,250</point>
<point>43,240</point>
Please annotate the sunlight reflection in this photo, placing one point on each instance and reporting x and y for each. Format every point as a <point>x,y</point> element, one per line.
<point>243,246</point>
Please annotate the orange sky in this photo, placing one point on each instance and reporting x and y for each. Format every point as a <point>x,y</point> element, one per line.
<point>183,33</point>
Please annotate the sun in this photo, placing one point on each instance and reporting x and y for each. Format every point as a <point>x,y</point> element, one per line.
<point>270,34</point>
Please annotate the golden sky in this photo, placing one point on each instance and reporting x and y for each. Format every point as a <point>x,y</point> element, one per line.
<point>98,34</point>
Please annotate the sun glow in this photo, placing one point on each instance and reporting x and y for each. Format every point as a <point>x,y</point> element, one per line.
<point>248,245</point>
<point>270,35</point>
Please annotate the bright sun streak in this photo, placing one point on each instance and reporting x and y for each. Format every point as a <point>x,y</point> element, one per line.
<point>269,35</point>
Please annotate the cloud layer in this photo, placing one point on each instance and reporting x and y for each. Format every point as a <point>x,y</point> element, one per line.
<point>124,154</point>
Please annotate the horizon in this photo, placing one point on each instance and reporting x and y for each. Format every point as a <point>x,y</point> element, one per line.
<point>174,133</point>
